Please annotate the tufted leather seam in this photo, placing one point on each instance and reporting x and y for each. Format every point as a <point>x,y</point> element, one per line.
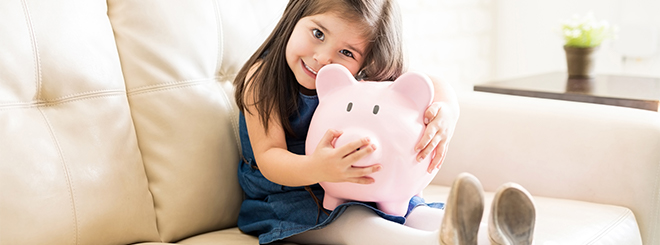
<point>67,176</point>
<point>176,85</point>
<point>229,77</point>
<point>62,100</point>
<point>35,48</point>
<point>220,36</point>
<point>234,122</point>
<point>234,114</point>
<point>167,86</point>
<point>221,53</point>
<point>615,224</point>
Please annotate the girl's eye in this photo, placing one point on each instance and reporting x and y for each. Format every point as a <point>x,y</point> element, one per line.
<point>318,34</point>
<point>346,53</point>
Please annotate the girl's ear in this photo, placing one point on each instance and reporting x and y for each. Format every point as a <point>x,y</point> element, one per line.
<point>332,77</point>
<point>416,87</point>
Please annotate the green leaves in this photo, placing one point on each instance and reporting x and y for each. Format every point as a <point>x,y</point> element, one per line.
<point>585,32</point>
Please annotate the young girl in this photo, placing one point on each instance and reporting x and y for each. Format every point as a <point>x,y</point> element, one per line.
<point>275,91</point>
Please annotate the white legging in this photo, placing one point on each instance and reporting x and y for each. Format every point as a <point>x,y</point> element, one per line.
<point>359,225</point>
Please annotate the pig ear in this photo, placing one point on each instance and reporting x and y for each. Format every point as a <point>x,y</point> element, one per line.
<point>331,77</point>
<point>416,87</point>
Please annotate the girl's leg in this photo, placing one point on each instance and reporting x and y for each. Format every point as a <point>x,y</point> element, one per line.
<point>425,218</point>
<point>429,219</point>
<point>459,225</point>
<point>359,225</point>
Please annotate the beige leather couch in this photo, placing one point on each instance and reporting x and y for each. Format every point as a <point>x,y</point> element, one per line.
<point>117,126</point>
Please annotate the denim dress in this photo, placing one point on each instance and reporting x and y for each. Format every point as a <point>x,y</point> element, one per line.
<point>274,212</point>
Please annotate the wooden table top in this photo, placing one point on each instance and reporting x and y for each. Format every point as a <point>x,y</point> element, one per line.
<point>616,90</point>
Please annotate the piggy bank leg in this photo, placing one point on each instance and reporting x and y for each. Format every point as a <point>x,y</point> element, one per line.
<point>330,202</point>
<point>394,208</point>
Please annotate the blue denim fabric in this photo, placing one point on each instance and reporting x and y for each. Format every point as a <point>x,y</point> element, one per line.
<point>274,212</point>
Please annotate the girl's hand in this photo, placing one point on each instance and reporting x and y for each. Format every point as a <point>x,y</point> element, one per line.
<point>440,122</point>
<point>335,164</point>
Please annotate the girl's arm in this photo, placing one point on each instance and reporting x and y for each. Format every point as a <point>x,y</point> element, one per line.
<point>441,117</point>
<point>326,164</point>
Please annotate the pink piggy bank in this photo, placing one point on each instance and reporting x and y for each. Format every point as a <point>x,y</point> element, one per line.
<point>391,115</point>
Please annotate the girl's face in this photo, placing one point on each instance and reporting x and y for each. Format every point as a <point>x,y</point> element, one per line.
<point>322,39</point>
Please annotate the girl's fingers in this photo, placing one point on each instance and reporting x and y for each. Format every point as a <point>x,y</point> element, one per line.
<point>361,174</point>
<point>429,115</point>
<point>364,171</point>
<point>439,157</point>
<point>329,137</point>
<point>430,133</point>
<point>362,180</point>
<point>353,145</point>
<point>435,162</point>
<point>442,159</point>
<point>435,141</point>
<point>359,154</point>
<point>431,112</point>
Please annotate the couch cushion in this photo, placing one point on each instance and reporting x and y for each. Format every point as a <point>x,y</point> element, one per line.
<point>558,221</point>
<point>561,221</point>
<point>245,26</point>
<point>228,236</point>
<point>231,236</point>
<point>69,160</point>
<point>184,115</point>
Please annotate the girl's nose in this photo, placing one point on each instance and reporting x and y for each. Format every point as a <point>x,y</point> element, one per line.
<point>323,58</point>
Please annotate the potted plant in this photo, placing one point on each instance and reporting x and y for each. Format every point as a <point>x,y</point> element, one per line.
<point>583,37</point>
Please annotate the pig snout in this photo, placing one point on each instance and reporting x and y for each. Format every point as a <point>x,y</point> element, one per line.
<point>353,135</point>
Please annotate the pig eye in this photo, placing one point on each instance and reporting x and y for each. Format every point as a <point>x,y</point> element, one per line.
<point>349,107</point>
<point>376,108</point>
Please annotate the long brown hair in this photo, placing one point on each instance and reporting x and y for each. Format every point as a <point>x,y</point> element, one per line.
<point>274,87</point>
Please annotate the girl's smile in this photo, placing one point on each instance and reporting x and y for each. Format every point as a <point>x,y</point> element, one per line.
<point>323,39</point>
<point>309,69</point>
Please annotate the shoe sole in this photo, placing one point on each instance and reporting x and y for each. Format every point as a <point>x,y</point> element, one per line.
<point>465,206</point>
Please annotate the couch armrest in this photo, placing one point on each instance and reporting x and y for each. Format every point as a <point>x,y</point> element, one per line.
<point>579,151</point>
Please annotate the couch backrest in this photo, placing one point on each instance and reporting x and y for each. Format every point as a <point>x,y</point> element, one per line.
<point>117,120</point>
<point>561,149</point>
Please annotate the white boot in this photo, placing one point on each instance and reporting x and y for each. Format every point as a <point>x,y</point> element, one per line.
<point>463,211</point>
<point>512,216</point>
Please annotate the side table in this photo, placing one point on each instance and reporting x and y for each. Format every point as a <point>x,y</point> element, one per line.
<point>616,90</point>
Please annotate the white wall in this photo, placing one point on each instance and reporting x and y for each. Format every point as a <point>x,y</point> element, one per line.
<point>527,41</point>
<point>469,42</point>
<point>451,39</point>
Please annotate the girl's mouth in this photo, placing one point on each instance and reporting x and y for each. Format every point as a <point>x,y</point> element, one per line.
<point>309,69</point>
